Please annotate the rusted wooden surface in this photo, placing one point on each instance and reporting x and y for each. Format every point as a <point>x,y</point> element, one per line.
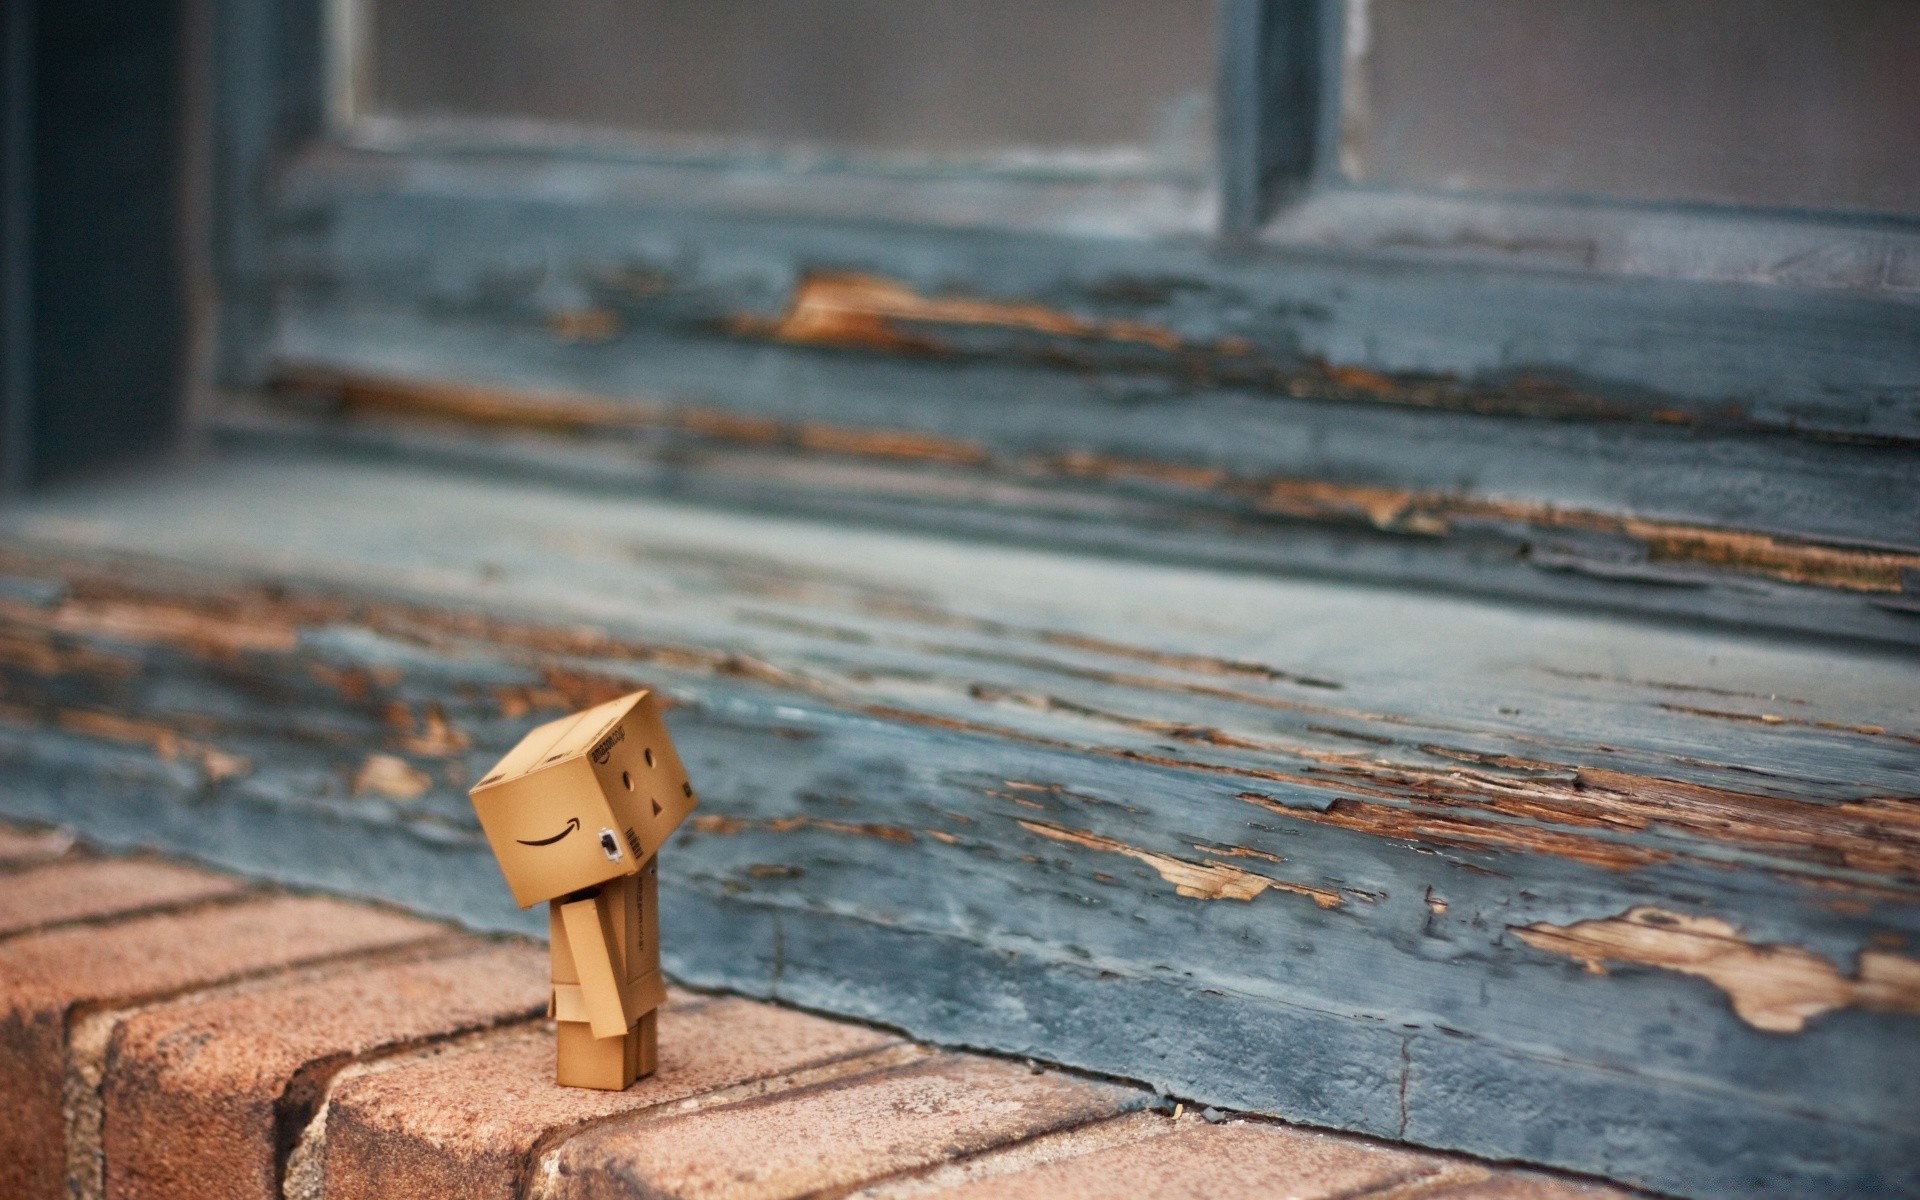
<point>1569,888</point>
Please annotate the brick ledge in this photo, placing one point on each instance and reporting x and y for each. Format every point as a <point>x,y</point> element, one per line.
<point>169,1032</point>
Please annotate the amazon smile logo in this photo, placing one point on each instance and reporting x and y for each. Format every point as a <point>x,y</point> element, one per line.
<point>573,823</point>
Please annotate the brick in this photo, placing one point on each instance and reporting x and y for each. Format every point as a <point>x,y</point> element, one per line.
<point>1201,1161</point>
<point>192,1088</point>
<point>468,1121</point>
<point>832,1137</point>
<point>101,887</point>
<point>21,845</point>
<point>1024,1156</point>
<point>1530,1185</point>
<point>45,977</point>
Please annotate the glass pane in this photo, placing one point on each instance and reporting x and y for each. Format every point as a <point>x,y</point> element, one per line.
<point>1128,80</point>
<point>1798,103</point>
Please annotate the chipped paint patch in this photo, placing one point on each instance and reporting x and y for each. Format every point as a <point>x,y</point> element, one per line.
<point>1667,546</point>
<point>436,736</point>
<point>216,764</point>
<point>584,325</point>
<point>392,777</point>
<point>846,310</point>
<point>572,414</point>
<point>1210,880</point>
<point>886,443</point>
<point>1786,559</point>
<point>1777,988</point>
<point>1467,831</point>
<point>36,650</point>
<point>869,313</point>
<point>1592,815</point>
<point>726,826</point>
<point>227,632</point>
<point>553,412</point>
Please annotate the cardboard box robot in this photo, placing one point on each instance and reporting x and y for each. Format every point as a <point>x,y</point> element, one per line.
<point>576,814</point>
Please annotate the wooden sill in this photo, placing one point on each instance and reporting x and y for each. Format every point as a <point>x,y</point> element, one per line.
<point>1609,895</point>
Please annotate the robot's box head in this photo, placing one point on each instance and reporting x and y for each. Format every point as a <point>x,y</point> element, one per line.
<point>583,799</point>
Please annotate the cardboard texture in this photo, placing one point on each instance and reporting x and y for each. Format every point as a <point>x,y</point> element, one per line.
<point>631,913</point>
<point>645,940</point>
<point>583,799</point>
<point>575,814</point>
<point>610,1064</point>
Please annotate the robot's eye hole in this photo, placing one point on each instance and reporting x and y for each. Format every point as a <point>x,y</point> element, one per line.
<point>626,780</point>
<point>610,845</point>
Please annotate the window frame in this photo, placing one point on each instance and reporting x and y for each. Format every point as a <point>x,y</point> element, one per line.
<point>1277,185</point>
<point>1277,182</point>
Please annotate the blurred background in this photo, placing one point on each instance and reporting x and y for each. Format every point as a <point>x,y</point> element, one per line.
<point>1706,140</point>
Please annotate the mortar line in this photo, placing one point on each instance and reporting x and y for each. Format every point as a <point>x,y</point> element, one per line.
<point>542,1162</point>
<point>159,908</point>
<point>1009,1158</point>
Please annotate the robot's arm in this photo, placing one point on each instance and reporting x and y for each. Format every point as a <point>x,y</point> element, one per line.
<point>590,938</point>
